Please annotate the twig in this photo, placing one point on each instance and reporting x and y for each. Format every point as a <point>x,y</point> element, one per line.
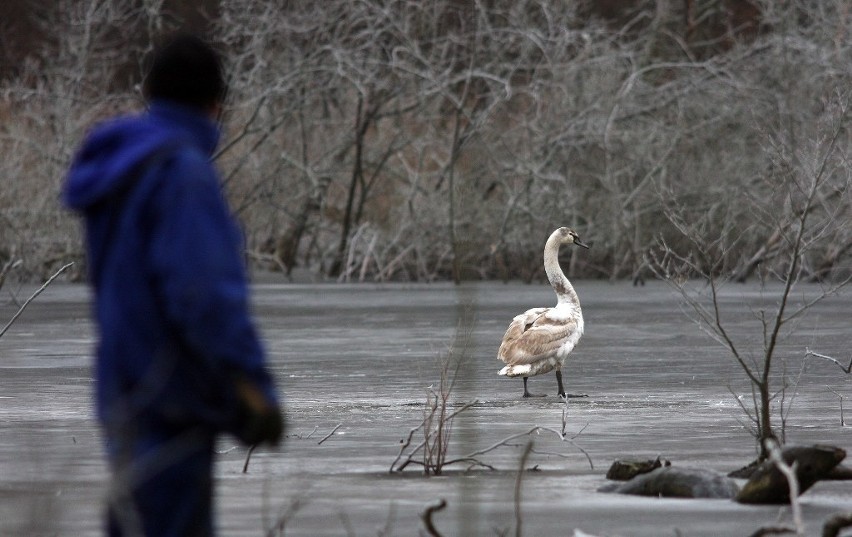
<point>429,466</point>
<point>426,516</point>
<point>280,524</point>
<point>472,456</point>
<point>32,297</point>
<point>326,437</point>
<point>248,456</point>
<point>420,446</point>
<point>846,369</point>
<point>789,472</point>
<point>518,481</point>
<point>773,530</point>
<point>404,444</point>
<point>303,436</point>
<point>503,442</point>
<point>7,267</point>
<point>583,428</point>
<point>842,421</point>
<point>550,453</point>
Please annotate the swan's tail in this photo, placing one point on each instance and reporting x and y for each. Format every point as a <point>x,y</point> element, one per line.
<point>522,370</point>
<point>530,370</point>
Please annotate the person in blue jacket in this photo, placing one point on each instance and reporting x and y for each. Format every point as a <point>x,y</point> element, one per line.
<point>178,357</point>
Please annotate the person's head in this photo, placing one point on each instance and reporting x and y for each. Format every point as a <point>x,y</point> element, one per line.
<point>186,70</point>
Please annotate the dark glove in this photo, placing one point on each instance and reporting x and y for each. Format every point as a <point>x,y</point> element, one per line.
<point>259,421</point>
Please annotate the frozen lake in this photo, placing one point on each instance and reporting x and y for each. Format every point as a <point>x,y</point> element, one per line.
<point>362,357</point>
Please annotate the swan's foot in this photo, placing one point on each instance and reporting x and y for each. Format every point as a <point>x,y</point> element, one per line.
<point>561,393</point>
<point>527,393</point>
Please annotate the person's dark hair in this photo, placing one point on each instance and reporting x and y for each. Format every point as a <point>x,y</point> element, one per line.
<point>185,69</point>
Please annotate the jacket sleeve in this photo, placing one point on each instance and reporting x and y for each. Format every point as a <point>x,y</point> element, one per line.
<point>199,272</point>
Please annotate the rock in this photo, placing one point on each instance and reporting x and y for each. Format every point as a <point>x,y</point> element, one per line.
<point>674,482</point>
<point>839,473</point>
<point>624,470</point>
<point>746,471</point>
<point>767,485</point>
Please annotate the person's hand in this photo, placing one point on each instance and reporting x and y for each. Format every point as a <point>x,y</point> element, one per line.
<point>260,421</point>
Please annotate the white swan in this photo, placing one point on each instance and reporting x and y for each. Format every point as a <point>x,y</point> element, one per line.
<point>539,340</point>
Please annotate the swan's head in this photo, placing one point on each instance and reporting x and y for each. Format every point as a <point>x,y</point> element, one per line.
<point>569,236</point>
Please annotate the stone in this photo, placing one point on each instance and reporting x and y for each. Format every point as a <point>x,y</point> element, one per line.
<point>839,473</point>
<point>767,485</point>
<point>674,482</point>
<point>626,469</point>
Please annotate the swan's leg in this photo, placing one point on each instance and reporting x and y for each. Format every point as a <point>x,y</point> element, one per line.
<point>562,388</point>
<point>527,392</point>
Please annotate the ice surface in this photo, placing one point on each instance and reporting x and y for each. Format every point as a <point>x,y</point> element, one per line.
<point>362,356</point>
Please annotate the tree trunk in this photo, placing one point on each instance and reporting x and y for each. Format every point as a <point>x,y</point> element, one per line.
<point>765,425</point>
<point>287,246</point>
<point>361,123</point>
<point>451,185</point>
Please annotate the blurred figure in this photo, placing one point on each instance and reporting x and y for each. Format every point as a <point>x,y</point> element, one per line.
<point>178,357</point>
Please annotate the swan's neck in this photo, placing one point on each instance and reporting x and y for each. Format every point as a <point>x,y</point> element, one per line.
<point>564,290</point>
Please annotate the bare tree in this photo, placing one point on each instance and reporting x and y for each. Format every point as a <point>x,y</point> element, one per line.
<point>397,139</point>
<point>806,197</point>
<point>64,85</point>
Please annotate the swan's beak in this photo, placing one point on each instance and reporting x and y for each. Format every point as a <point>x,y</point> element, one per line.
<point>581,244</point>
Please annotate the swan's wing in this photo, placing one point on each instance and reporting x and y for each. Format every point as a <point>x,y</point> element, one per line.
<point>540,333</point>
<point>520,324</point>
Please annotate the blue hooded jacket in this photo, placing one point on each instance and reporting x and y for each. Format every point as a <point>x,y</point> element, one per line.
<point>171,297</point>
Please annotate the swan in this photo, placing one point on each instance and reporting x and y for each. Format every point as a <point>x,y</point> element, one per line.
<point>540,339</point>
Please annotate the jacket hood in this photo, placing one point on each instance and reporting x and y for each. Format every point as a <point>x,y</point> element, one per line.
<point>114,151</point>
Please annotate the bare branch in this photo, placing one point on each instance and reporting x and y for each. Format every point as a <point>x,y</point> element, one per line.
<point>518,480</point>
<point>424,423</point>
<point>773,530</point>
<point>329,435</point>
<point>839,396</point>
<point>32,297</point>
<point>426,516</point>
<point>248,457</point>
<point>508,442</point>
<point>792,482</point>
<point>846,369</point>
